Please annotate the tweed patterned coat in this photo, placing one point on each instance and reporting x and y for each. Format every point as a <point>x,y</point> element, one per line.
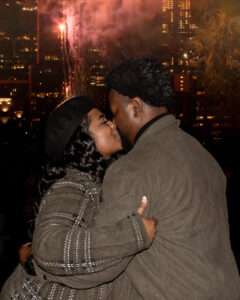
<point>72,261</point>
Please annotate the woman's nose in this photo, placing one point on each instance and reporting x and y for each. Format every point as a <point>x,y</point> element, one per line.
<point>112,125</point>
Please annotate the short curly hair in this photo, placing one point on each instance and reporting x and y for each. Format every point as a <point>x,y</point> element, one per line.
<point>142,77</point>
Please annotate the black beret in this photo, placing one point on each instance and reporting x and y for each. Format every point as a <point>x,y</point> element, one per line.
<point>63,122</point>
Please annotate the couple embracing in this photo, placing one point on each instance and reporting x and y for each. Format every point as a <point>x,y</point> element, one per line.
<point>92,240</point>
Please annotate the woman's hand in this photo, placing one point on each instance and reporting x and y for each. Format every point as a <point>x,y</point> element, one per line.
<point>24,252</point>
<point>149,223</point>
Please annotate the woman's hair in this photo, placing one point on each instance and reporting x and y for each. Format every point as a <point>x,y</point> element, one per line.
<point>80,153</point>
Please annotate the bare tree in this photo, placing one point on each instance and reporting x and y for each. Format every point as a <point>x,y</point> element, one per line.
<point>217,58</point>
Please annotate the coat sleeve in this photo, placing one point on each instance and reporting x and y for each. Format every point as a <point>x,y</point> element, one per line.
<point>122,190</point>
<point>67,250</point>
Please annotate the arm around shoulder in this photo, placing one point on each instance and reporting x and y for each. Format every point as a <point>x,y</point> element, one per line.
<point>62,248</point>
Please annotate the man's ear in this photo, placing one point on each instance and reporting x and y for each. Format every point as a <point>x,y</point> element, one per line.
<point>137,106</point>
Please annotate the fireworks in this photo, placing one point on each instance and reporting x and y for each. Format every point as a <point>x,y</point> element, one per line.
<point>95,22</point>
<point>62,27</point>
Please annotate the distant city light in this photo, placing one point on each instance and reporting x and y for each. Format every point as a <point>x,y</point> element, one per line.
<point>5,109</point>
<point>5,100</point>
<point>5,104</point>
<point>19,114</point>
<point>199,117</point>
<point>4,120</point>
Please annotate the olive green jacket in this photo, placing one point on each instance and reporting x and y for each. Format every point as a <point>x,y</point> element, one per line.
<point>191,256</point>
<point>72,261</point>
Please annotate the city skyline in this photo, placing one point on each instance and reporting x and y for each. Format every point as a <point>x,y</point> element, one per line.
<point>54,53</point>
<point>35,51</point>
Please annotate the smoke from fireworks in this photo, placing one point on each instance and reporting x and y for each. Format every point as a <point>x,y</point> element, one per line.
<point>100,22</point>
<point>97,19</point>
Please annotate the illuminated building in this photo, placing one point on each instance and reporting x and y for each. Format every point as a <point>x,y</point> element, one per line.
<point>17,38</point>
<point>178,17</point>
<point>46,76</point>
<point>96,73</point>
<point>30,59</point>
<point>177,21</point>
<point>18,50</point>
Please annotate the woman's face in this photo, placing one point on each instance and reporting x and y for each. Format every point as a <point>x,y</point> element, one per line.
<point>104,134</point>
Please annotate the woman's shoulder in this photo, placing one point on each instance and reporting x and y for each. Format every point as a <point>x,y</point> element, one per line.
<point>79,179</point>
<point>73,188</point>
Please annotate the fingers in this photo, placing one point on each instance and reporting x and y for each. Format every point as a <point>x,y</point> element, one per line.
<point>142,206</point>
<point>150,227</point>
<point>155,221</point>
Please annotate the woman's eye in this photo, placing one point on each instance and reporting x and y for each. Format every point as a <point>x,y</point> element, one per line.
<point>105,122</point>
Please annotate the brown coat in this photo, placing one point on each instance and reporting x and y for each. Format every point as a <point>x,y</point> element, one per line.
<point>191,256</point>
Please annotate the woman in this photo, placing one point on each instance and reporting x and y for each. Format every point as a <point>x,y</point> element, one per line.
<point>78,142</point>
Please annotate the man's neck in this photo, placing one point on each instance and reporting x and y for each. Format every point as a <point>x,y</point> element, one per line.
<point>150,113</point>
<point>148,124</point>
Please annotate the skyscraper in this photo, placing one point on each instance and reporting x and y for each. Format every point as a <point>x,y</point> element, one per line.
<point>17,51</point>
<point>177,21</point>
<point>17,38</point>
<point>47,75</point>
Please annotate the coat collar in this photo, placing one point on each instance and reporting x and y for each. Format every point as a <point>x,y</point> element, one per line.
<point>158,125</point>
<point>145,127</point>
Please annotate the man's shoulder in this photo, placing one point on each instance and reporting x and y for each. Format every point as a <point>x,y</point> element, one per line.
<point>124,165</point>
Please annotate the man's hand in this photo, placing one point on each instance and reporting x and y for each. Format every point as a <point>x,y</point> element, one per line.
<point>24,252</point>
<point>149,223</point>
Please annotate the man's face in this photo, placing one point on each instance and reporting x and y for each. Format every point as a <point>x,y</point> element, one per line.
<point>122,114</point>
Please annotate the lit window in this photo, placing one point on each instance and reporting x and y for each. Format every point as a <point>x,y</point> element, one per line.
<point>18,67</point>
<point>24,50</point>
<point>29,8</point>
<point>52,57</point>
<point>25,37</point>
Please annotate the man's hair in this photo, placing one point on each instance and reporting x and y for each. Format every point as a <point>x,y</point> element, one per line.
<point>142,77</point>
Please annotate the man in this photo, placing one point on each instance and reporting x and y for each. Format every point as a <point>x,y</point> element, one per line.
<point>191,256</point>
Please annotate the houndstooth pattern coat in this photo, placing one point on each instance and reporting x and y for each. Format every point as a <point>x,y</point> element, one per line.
<point>74,259</point>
